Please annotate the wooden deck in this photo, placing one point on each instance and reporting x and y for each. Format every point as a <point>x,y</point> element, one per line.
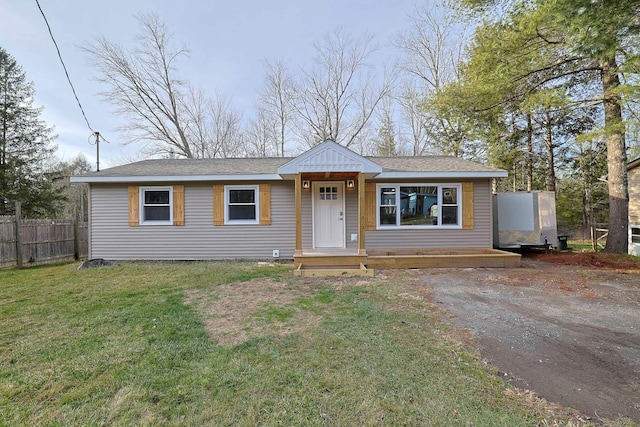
<point>349,263</point>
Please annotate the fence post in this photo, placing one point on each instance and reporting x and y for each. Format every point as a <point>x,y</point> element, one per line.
<point>594,238</point>
<point>76,234</point>
<point>18,235</point>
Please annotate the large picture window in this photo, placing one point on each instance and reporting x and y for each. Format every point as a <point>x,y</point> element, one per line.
<point>241,204</point>
<point>156,205</point>
<point>419,205</point>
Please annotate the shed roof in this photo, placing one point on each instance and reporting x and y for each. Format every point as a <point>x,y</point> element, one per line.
<point>633,164</point>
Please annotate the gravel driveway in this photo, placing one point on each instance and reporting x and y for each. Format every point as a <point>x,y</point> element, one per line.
<point>571,334</point>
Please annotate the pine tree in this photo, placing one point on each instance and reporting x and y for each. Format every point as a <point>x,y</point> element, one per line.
<point>385,141</point>
<point>26,148</point>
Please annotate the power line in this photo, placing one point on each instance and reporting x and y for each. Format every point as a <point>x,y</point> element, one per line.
<point>64,67</point>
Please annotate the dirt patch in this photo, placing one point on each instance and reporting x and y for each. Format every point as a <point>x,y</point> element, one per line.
<point>237,312</point>
<point>589,259</point>
<point>564,325</point>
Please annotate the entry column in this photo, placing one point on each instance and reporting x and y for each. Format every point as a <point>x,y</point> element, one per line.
<point>362,218</point>
<point>298,198</point>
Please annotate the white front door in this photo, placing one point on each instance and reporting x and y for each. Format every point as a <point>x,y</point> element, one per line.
<point>328,215</point>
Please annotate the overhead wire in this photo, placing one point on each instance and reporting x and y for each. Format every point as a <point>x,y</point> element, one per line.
<point>65,67</point>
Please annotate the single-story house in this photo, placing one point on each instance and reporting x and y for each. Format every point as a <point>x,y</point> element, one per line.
<point>633,171</point>
<point>328,206</point>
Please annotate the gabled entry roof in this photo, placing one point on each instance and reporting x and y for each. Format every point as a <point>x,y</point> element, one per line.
<point>329,157</point>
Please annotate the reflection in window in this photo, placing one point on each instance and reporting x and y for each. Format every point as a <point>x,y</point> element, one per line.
<point>388,205</point>
<point>449,206</point>
<point>418,205</point>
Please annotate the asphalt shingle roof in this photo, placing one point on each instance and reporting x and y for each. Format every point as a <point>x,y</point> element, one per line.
<point>270,165</point>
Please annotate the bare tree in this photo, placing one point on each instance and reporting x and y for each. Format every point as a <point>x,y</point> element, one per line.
<point>225,127</point>
<point>262,135</point>
<point>144,87</point>
<point>276,105</point>
<point>338,96</point>
<point>198,123</point>
<point>433,48</point>
<point>416,120</point>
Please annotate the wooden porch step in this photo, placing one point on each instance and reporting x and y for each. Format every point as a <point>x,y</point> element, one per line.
<point>329,260</point>
<point>333,270</point>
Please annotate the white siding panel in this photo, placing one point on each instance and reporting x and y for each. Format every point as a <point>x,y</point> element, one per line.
<point>479,237</point>
<point>112,238</point>
<point>634,196</point>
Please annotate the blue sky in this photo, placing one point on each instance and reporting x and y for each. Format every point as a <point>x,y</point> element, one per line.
<point>228,40</point>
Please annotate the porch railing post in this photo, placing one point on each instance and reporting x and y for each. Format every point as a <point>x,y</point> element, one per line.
<point>361,214</point>
<point>298,197</point>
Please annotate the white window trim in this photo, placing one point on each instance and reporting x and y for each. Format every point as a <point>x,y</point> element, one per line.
<point>397,186</point>
<point>256,189</point>
<point>142,205</point>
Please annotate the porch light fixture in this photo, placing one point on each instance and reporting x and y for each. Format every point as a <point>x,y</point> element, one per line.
<point>351,183</point>
<point>306,184</point>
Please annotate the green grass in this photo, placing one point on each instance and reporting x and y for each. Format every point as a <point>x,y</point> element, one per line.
<point>120,346</point>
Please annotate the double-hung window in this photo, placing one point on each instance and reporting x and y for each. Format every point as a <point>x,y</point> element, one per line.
<point>635,234</point>
<point>419,205</point>
<point>241,204</point>
<point>156,205</point>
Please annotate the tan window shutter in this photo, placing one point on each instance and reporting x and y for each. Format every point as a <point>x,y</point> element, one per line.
<point>467,206</point>
<point>134,206</point>
<point>218,205</point>
<point>370,205</point>
<point>265,204</point>
<point>178,205</point>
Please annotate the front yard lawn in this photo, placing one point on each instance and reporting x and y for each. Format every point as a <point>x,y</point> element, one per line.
<point>238,343</point>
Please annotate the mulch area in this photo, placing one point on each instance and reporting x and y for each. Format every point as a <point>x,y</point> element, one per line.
<point>601,260</point>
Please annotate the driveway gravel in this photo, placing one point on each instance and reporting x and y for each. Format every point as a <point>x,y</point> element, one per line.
<point>569,333</point>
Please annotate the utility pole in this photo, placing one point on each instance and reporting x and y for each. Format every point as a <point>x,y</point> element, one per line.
<point>97,134</point>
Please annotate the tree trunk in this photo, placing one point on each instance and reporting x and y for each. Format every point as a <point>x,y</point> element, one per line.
<point>529,153</point>
<point>587,206</point>
<point>618,185</point>
<point>551,166</point>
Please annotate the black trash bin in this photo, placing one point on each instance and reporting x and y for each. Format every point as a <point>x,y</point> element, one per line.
<point>562,243</point>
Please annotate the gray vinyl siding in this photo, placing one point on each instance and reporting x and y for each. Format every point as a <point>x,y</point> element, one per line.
<point>479,237</point>
<point>113,238</point>
<point>351,216</point>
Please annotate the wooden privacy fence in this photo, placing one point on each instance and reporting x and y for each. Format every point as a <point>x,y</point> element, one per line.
<point>30,242</point>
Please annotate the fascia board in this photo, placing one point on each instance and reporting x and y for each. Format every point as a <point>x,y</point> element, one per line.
<point>172,178</point>
<point>396,175</point>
